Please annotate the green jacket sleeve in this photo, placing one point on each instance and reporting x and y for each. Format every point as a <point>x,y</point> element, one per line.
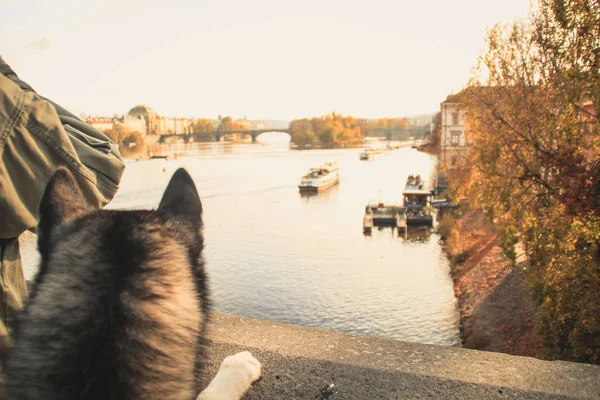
<point>35,140</point>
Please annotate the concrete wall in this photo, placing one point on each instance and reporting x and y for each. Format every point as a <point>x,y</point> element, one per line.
<point>300,363</point>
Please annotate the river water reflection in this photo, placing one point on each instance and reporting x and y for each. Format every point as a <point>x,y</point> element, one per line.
<point>274,254</point>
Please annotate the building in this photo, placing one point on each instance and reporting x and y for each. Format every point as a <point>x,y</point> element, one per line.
<point>453,140</point>
<point>144,120</point>
<point>135,124</point>
<point>101,123</point>
<point>157,125</point>
<point>149,116</point>
<point>454,127</point>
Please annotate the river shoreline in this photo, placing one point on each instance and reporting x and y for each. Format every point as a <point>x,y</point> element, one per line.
<point>496,313</point>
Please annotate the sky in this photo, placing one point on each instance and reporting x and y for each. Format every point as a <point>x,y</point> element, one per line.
<point>264,59</point>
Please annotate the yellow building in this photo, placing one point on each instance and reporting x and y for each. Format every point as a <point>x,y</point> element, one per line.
<point>101,123</point>
<point>158,125</point>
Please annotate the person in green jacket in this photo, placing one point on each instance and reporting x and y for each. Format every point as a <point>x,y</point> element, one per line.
<point>37,137</point>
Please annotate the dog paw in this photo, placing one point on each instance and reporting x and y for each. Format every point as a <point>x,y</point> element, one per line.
<point>235,375</point>
<point>243,366</point>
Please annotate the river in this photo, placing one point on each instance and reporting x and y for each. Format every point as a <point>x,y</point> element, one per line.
<point>274,254</point>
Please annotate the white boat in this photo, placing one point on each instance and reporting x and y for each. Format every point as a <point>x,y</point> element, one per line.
<point>417,202</point>
<point>320,178</point>
<point>370,154</point>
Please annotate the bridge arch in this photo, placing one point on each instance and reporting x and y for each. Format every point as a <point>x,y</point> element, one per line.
<point>216,136</point>
<point>274,137</point>
<point>236,137</point>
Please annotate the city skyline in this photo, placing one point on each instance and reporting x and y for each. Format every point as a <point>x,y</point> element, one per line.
<point>265,59</point>
<point>120,114</point>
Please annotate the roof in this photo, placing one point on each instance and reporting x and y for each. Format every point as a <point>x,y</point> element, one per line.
<point>476,92</point>
<point>453,98</point>
<point>417,191</point>
<point>141,109</point>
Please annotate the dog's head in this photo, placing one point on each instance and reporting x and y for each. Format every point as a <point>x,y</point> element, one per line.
<point>65,216</point>
<point>117,291</point>
<point>62,201</point>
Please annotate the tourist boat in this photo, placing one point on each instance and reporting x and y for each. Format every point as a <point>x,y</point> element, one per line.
<point>320,178</point>
<point>417,202</point>
<point>381,214</point>
<point>370,153</point>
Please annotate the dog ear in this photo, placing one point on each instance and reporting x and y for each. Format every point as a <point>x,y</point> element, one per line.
<point>181,198</point>
<point>62,201</point>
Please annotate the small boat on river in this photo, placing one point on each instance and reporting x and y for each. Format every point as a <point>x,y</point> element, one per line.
<point>320,178</point>
<point>417,202</point>
<point>370,153</point>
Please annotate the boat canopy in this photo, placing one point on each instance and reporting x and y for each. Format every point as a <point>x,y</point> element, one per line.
<point>417,192</point>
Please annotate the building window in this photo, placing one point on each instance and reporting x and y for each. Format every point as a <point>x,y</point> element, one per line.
<point>454,139</point>
<point>455,119</point>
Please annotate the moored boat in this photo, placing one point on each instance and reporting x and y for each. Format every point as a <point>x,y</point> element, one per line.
<point>417,202</point>
<point>320,178</point>
<point>381,214</point>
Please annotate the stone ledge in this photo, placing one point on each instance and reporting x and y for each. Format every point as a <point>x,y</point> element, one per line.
<point>299,362</point>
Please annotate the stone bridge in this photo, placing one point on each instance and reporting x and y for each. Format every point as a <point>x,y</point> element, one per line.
<point>215,136</point>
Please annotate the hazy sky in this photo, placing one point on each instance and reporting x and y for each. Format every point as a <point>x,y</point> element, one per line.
<point>269,59</point>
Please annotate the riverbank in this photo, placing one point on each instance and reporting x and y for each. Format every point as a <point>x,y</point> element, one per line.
<point>496,313</point>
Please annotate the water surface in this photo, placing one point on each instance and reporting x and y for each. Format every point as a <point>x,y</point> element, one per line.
<point>277,255</point>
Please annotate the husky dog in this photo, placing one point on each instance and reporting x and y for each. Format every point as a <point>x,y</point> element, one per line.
<point>120,304</point>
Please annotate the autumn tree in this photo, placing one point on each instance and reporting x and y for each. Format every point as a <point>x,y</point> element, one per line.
<point>533,164</point>
<point>203,125</point>
<point>229,124</point>
<point>301,132</point>
<point>398,123</point>
<point>133,139</point>
<point>117,133</point>
<point>367,125</point>
<point>436,132</point>
<point>332,130</point>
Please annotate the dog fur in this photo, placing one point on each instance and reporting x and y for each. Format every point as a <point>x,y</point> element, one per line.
<point>120,305</point>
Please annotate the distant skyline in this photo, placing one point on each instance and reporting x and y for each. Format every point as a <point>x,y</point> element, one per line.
<point>267,59</point>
